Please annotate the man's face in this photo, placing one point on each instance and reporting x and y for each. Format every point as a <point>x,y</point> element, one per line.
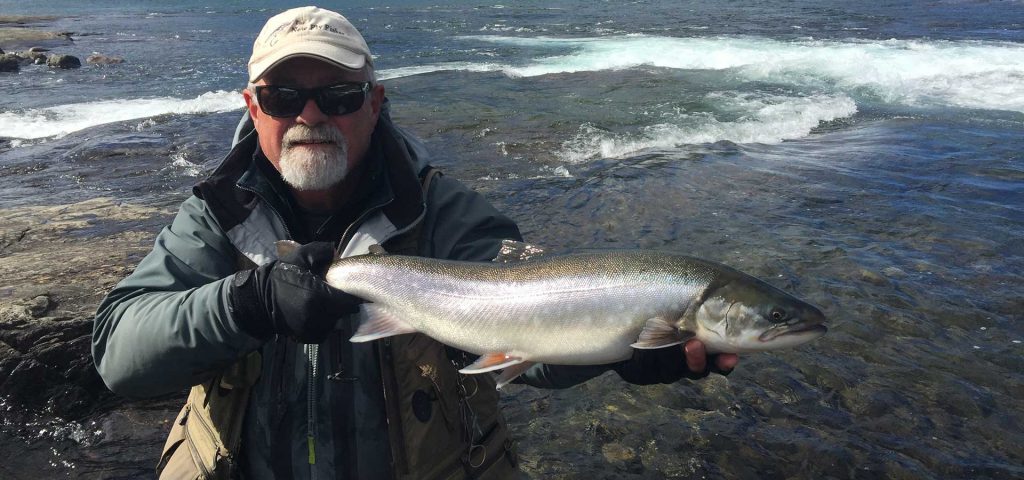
<point>313,150</point>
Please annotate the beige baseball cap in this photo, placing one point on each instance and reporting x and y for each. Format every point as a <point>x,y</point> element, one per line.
<point>308,32</point>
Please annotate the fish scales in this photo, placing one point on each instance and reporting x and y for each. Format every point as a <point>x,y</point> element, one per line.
<point>574,309</point>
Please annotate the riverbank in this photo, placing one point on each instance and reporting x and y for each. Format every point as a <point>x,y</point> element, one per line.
<point>26,31</point>
<point>57,262</point>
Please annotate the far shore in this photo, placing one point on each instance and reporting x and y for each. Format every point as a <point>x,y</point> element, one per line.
<point>26,31</point>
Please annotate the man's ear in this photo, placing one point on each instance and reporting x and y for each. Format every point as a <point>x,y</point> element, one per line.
<point>250,103</point>
<point>376,101</point>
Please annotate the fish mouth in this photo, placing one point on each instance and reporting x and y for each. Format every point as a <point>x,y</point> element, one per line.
<point>810,330</point>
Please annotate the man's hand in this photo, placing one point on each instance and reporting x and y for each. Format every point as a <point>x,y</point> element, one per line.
<point>670,364</point>
<point>288,296</point>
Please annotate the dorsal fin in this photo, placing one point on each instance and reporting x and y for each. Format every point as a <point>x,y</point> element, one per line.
<point>513,251</point>
<point>376,249</point>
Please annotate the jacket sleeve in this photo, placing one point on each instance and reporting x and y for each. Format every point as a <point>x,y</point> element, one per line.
<point>461,225</point>
<point>166,326</point>
<point>464,226</point>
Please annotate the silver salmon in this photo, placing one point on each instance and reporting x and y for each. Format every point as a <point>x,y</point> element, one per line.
<point>576,309</point>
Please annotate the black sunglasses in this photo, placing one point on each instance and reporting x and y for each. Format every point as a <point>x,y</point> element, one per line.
<point>340,99</point>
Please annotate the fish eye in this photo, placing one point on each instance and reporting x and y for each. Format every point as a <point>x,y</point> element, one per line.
<point>778,314</point>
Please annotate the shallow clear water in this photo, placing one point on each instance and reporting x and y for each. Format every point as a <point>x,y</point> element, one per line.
<point>865,157</point>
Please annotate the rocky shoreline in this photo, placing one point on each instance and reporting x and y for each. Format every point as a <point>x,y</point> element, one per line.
<point>26,40</point>
<point>56,264</point>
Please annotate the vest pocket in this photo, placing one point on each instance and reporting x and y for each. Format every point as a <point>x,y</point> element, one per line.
<point>192,450</point>
<point>206,434</point>
<point>495,456</point>
<point>428,434</point>
<point>449,425</point>
<point>176,461</point>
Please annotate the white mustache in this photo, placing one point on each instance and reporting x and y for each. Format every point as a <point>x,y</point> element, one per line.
<point>320,134</point>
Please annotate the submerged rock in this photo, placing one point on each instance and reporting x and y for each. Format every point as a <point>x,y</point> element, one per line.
<point>63,61</point>
<point>33,57</point>
<point>99,59</point>
<point>9,62</point>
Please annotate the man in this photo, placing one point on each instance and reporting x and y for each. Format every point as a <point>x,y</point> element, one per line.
<point>277,390</point>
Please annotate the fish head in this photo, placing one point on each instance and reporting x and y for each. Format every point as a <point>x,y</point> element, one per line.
<point>744,314</point>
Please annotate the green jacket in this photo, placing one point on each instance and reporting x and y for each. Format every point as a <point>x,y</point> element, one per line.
<point>167,326</point>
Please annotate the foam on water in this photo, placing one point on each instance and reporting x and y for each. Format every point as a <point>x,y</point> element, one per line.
<point>451,66</point>
<point>180,162</point>
<point>63,119</point>
<point>969,74</point>
<point>770,119</point>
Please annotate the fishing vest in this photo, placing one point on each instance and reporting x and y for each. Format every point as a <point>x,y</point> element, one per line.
<point>441,424</point>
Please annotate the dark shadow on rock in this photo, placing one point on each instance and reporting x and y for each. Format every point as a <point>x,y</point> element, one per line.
<point>46,361</point>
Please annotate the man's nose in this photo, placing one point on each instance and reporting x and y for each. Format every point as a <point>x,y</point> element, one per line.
<point>311,114</point>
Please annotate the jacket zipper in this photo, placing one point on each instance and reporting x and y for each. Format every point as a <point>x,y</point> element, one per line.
<point>391,409</point>
<point>314,350</point>
<point>313,355</point>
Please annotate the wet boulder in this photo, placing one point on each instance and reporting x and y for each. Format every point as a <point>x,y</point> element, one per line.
<point>63,61</point>
<point>98,59</point>
<point>33,56</point>
<point>9,62</point>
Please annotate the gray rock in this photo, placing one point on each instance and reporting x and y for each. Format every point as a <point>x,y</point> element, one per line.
<point>63,61</point>
<point>45,318</point>
<point>99,59</point>
<point>873,278</point>
<point>45,357</point>
<point>38,50</point>
<point>32,57</point>
<point>9,62</point>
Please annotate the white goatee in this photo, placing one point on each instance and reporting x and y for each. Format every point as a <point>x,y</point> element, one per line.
<point>316,167</point>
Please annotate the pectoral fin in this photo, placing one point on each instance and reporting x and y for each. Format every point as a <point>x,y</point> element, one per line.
<point>658,333</point>
<point>510,373</point>
<point>378,323</point>
<point>491,361</point>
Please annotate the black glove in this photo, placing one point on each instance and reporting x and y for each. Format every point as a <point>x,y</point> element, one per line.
<point>662,365</point>
<point>288,296</point>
